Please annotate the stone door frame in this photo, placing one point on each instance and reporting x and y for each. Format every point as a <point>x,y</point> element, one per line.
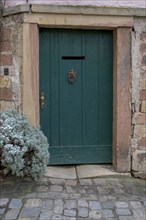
<point>121,26</point>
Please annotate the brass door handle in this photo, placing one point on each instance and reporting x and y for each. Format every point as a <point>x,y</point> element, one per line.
<point>42,100</point>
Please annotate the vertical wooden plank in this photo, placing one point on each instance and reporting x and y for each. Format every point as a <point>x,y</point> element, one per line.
<point>91,88</point>
<point>30,103</point>
<point>98,88</point>
<point>45,80</point>
<point>105,87</point>
<point>54,71</point>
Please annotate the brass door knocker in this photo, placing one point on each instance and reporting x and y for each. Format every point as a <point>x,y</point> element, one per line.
<point>71,76</point>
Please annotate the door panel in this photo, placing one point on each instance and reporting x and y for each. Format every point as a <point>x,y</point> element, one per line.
<point>77,118</point>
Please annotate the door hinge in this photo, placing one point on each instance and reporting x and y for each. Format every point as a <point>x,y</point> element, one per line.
<point>132,130</point>
<point>133,108</point>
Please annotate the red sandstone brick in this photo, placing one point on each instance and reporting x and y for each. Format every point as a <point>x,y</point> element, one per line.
<point>6,94</point>
<point>143,142</point>
<point>144,60</point>
<point>143,95</point>
<point>140,131</point>
<point>5,46</point>
<point>143,107</point>
<point>143,37</point>
<point>5,34</point>
<point>6,59</point>
<point>17,18</point>
<point>141,118</point>
<point>143,48</point>
<point>143,84</point>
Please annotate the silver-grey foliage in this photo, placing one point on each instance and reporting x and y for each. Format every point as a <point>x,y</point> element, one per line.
<point>23,148</point>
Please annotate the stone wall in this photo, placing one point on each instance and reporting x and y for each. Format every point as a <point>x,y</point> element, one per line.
<point>138,140</point>
<point>10,62</point>
<point>113,3</point>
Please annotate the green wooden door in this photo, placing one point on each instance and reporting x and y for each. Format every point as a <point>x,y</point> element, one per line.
<point>77,115</point>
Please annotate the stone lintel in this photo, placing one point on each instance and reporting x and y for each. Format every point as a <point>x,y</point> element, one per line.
<point>72,20</point>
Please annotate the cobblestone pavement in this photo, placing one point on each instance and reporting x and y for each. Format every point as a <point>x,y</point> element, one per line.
<point>118,198</point>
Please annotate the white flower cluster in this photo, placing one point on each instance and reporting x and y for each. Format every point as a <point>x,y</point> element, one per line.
<point>23,148</point>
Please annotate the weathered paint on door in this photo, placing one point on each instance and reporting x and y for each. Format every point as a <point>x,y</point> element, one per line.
<point>77,117</point>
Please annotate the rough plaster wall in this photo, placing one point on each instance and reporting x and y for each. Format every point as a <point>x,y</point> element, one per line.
<point>115,3</point>
<point>14,25</point>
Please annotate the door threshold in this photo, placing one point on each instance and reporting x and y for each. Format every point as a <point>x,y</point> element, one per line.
<point>82,172</point>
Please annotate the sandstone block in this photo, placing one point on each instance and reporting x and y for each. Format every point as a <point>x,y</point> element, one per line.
<point>144,60</point>
<point>5,82</point>
<point>6,94</point>
<point>6,32</point>
<point>140,175</point>
<point>5,46</point>
<point>139,161</point>
<point>143,37</point>
<point>5,88</point>
<point>140,130</point>
<point>143,95</point>
<point>6,59</point>
<point>143,106</point>
<point>6,105</point>
<point>143,142</point>
<point>143,47</point>
<point>143,84</point>
<point>139,118</point>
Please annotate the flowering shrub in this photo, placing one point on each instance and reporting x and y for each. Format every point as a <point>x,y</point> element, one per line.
<point>23,148</point>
